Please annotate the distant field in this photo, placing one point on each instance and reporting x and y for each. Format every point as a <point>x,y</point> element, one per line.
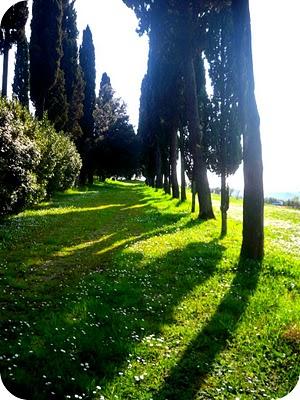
<point>118,292</point>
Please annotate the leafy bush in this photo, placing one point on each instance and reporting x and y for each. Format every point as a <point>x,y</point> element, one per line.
<point>35,160</point>
<point>60,163</point>
<point>19,158</point>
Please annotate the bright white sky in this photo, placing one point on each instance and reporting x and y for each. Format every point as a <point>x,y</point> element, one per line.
<point>275,30</point>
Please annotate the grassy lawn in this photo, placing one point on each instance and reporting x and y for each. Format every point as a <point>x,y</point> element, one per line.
<point>118,292</point>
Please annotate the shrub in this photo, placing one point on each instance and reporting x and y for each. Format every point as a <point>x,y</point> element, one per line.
<point>35,160</point>
<point>19,158</point>
<point>60,163</point>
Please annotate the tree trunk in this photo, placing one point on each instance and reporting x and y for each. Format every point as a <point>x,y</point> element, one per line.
<point>151,181</point>
<point>253,203</point>
<point>166,184</point>
<point>193,196</point>
<point>173,156</point>
<point>182,164</point>
<point>159,178</point>
<point>83,176</point>
<point>90,177</point>
<point>183,182</point>
<point>5,70</point>
<point>195,129</point>
<point>224,204</point>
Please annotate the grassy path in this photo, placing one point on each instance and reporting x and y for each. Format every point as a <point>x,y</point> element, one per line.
<point>119,293</point>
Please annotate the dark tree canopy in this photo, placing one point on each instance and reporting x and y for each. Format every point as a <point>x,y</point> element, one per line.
<point>74,84</point>
<point>108,108</point>
<point>115,147</point>
<point>224,136</point>
<point>45,55</point>
<point>180,29</point>
<point>21,76</point>
<point>87,63</point>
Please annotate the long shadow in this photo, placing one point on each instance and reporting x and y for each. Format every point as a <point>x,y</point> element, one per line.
<point>151,290</point>
<point>186,378</point>
<point>61,252</point>
<point>113,326</point>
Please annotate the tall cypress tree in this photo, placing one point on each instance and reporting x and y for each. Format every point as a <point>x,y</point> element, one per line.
<point>87,64</point>
<point>21,77</point>
<point>253,203</point>
<point>74,84</point>
<point>47,82</point>
<point>223,140</point>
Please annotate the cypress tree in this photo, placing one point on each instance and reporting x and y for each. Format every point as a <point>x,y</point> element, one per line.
<point>72,72</point>
<point>47,82</point>
<point>146,132</point>
<point>115,145</point>
<point>175,30</point>
<point>87,64</point>
<point>21,77</point>
<point>55,102</point>
<point>253,202</point>
<point>108,108</point>
<point>224,138</point>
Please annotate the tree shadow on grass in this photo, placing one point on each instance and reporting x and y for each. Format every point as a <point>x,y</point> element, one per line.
<point>75,243</point>
<point>109,316</point>
<point>186,378</point>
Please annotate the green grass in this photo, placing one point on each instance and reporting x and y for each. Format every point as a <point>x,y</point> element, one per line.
<point>118,292</point>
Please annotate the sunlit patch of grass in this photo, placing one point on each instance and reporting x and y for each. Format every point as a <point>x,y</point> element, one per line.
<point>116,291</point>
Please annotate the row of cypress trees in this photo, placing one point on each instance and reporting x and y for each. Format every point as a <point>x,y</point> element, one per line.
<point>66,88</point>
<point>61,81</point>
<point>59,77</point>
<point>173,99</point>
<point>176,113</point>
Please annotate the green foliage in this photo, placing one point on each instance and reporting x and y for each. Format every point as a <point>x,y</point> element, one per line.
<point>21,77</point>
<point>35,159</point>
<point>114,147</point>
<point>45,56</point>
<point>60,163</point>
<point>19,160</point>
<point>72,71</point>
<point>87,63</point>
<point>108,109</point>
<point>223,140</point>
<point>55,103</point>
<point>117,152</point>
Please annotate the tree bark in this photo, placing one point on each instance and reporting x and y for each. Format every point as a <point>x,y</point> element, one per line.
<point>183,182</point>
<point>173,156</point>
<point>5,70</point>
<point>182,164</point>
<point>195,129</point>
<point>253,203</point>
<point>193,196</point>
<point>224,204</point>
<point>166,184</point>
<point>159,178</point>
